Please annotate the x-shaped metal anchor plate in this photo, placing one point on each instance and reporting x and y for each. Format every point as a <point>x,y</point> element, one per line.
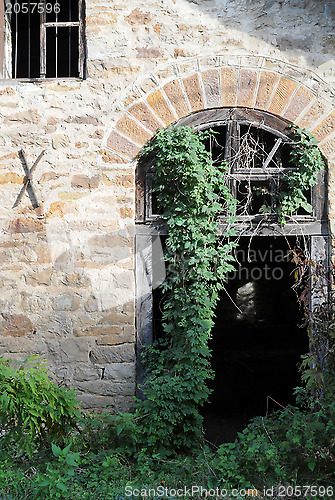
<point>28,180</point>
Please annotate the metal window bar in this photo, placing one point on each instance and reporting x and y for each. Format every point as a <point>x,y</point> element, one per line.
<point>29,40</point>
<point>43,60</point>
<point>81,38</point>
<point>16,43</point>
<point>70,48</point>
<point>56,55</point>
<point>2,32</point>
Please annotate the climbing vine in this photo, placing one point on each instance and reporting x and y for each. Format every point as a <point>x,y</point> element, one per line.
<point>306,157</point>
<point>191,194</point>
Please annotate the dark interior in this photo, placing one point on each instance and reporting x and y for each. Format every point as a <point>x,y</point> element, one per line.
<point>258,336</point>
<point>62,52</point>
<point>25,29</point>
<point>257,340</point>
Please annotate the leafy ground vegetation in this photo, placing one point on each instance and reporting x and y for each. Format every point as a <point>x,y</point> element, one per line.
<point>50,449</point>
<point>104,456</point>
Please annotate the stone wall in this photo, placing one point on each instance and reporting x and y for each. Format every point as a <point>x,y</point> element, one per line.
<point>67,268</point>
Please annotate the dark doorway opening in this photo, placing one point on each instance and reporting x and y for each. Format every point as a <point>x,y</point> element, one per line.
<point>257,340</point>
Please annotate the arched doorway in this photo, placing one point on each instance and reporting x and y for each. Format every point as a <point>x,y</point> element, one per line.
<point>256,146</point>
<point>258,338</point>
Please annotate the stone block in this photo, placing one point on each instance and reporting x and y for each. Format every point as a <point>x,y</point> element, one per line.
<point>124,403</point>
<point>130,128</point>
<point>92,304</point>
<point>313,115</point>
<point>60,141</point>
<point>109,330</point>
<point>122,372</point>
<point>247,87</point>
<point>84,373</point>
<point>126,212</point>
<point>35,302</point>
<point>124,180</point>
<point>120,144</point>
<point>15,325</point>
<point>11,178</point>
<point>328,148</point>
<point>42,277</point>
<point>138,17</point>
<point>84,120</point>
<point>211,82</point>
<point>282,95</point>
<point>123,353</point>
<point>126,336</point>
<point>124,279</point>
<point>149,53</point>
<point>59,324</point>
<point>26,225</point>
<point>65,302</point>
<point>25,345</point>
<point>30,116</point>
<point>48,176</point>
<point>266,86</point>
<point>110,240</point>
<point>117,315</point>
<point>92,401</point>
<point>101,19</point>
<point>301,100</point>
<point>229,78</point>
<point>60,208</point>
<point>75,280</point>
<point>42,251</point>
<point>108,157</point>
<point>326,127</point>
<point>175,94</point>
<point>85,182</point>
<point>160,107</point>
<point>106,388</point>
<point>194,92</point>
<point>142,113</point>
<point>74,350</point>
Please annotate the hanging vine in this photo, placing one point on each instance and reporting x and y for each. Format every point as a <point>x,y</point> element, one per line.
<point>306,157</point>
<point>191,193</point>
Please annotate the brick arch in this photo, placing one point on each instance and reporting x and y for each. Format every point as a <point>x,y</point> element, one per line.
<point>280,89</point>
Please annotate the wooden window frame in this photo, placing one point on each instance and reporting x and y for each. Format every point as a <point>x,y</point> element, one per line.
<point>310,224</point>
<point>43,49</point>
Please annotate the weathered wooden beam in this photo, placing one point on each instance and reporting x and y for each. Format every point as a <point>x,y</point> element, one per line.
<point>272,152</point>
<point>144,301</point>
<point>28,180</point>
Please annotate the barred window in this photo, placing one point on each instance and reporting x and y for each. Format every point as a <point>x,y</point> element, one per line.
<point>43,39</point>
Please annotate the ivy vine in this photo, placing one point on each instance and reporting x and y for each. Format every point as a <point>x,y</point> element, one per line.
<point>191,194</point>
<point>306,158</point>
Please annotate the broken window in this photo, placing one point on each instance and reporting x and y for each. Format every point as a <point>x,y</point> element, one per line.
<point>43,39</point>
<point>258,157</point>
<point>259,164</point>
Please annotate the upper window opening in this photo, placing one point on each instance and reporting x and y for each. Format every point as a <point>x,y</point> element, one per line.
<point>258,158</point>
<point>259,163</point>
<point>44,39</point>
